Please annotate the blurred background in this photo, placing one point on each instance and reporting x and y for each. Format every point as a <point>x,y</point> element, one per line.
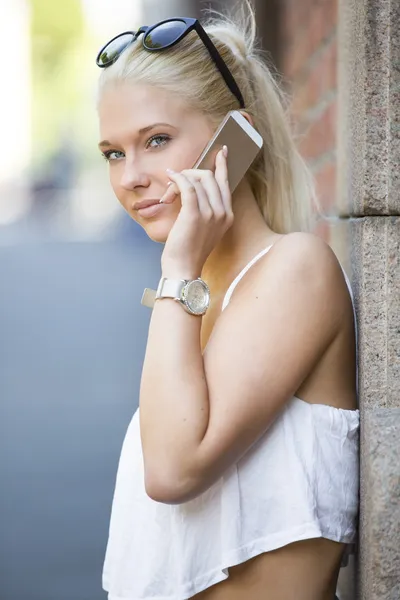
<point>73,266</point>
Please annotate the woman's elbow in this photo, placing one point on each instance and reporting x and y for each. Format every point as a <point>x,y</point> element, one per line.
<point>170,488</point>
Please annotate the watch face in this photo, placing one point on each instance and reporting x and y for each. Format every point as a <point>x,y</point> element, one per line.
<point>197,296</point>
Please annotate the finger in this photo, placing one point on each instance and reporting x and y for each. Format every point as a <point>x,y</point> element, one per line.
<point>221,177</point>
<point>211,186</point>
<point>187,190</point>
<point>203,199</point>
<point>171,194</point>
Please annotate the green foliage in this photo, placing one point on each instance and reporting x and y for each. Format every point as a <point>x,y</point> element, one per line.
<point>57,32</point>
<point>55,26</point>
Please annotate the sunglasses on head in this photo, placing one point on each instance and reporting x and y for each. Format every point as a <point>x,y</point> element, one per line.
<point>161,36</point>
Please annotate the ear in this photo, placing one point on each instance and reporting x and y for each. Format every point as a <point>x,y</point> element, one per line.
<point>248,117</point>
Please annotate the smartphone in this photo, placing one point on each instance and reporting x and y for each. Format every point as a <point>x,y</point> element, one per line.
<point>243,142</point>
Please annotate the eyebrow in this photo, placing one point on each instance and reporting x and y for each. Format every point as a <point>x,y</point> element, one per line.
<point>107,144</point>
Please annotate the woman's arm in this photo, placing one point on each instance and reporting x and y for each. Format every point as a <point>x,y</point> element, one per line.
<point>198,414</point>
<point>174,403</point>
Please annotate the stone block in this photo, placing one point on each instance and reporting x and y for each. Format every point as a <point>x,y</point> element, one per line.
<point>380,505</point>
<point>368,108</point>
<point>375,266</point>
<point>369,251</point>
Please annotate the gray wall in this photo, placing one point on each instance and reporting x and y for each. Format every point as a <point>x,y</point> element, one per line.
<point>369,204</point>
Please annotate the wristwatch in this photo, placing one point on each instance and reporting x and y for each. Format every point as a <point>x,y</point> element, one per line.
<point>192,294</point>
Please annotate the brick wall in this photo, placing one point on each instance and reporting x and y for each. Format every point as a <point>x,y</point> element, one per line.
<point>308,60</point>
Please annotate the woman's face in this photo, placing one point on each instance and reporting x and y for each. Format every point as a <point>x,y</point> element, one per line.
<point>144,131</point>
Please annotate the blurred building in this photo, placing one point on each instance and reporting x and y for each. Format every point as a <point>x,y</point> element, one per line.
<point>15,109</point>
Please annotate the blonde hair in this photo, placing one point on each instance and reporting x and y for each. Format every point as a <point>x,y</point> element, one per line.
<point>281,182</point>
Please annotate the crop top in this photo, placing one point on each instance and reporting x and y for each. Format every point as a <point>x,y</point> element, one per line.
<point>299,481</point>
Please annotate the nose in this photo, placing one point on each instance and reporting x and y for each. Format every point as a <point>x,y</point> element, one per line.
<point>133,176</point>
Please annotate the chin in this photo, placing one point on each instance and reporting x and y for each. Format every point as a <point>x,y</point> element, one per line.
<point>158,231</point>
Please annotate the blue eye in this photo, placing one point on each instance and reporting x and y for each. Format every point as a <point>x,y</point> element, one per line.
<point>155,142</point>
<point>162,139</point>
<point>110,155</point>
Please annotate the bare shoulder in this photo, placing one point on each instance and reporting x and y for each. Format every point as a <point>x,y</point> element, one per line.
<point>302,274</point>
<point>304,251</point>
<point>302,260</point>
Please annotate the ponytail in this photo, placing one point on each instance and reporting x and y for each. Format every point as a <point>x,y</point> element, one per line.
<point>281,182</point>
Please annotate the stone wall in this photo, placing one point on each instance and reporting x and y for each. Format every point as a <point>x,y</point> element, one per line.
<point>348,113</point>
<point>368,202</point>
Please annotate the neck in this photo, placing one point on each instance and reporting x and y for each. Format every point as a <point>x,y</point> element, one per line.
<point>248,235</point>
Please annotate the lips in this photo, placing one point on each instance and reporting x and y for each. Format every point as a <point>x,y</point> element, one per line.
<point>145,204</point>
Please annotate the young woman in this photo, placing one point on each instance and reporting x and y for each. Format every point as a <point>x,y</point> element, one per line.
<point>238,476</point>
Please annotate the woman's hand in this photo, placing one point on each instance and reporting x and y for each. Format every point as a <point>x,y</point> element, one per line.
<point>204,218</point>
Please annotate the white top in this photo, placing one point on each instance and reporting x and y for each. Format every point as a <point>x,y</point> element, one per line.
<point>299,481</point>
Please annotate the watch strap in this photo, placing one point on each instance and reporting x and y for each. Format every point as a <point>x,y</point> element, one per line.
<point>170,288</point>
<point>167,288</point>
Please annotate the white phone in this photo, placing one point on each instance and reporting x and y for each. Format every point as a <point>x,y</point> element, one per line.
<point>243,142</point>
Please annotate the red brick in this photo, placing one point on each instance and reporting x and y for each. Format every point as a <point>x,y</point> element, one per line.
<point>296,55</point>
<point>323,78</point>
<point>300,101</point>
<point>289,20</point>
<point>320,137</point>
<point>304,30</point>
<point>326,187</point>
<point>309,62</point>
<point>322,22</point>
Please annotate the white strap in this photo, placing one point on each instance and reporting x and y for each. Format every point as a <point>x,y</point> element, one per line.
<point>239,277</point>
<point>170,288</point>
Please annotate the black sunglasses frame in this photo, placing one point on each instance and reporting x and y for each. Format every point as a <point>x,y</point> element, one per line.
<point>191,25</point>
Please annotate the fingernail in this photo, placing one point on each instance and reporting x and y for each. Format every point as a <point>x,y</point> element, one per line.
<point>225,151</point>
<point>168,197</point>
<point>170,171</point>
